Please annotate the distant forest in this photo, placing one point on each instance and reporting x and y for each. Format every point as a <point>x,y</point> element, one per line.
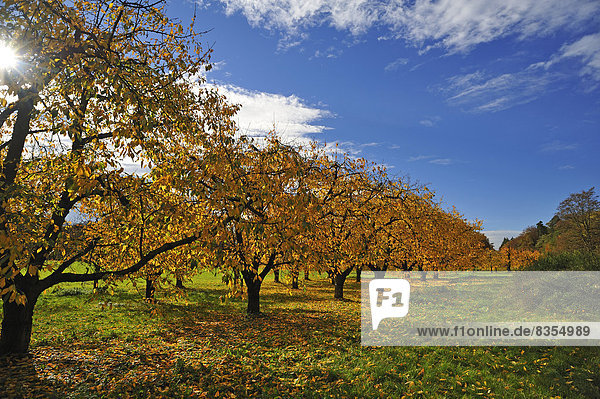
<point>570,240</point>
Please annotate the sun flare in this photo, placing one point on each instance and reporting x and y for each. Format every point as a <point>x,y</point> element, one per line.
<point>8,57</point>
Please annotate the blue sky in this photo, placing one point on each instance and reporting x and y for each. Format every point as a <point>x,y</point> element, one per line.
<point>493,104</point>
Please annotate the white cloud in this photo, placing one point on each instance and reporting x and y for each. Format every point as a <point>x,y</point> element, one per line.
<point>459,25</point>
<point>456,25</point>
<point>355,16</point>
<point>292,118</point>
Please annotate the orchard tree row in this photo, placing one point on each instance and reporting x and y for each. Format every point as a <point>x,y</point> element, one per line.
<point>99,84</point>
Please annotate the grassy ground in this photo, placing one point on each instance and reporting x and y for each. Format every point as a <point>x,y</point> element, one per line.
<point>306,346</point>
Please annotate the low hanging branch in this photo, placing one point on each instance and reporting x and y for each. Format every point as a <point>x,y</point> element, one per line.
<point>59,277</point>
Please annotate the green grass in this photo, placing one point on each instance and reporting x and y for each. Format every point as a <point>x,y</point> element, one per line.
<point>307,345</point>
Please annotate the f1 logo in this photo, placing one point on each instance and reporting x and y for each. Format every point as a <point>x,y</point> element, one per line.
<point>389,298</point>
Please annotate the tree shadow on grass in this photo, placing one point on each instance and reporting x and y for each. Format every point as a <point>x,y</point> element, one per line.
<point>19,379</point>
<point>278,327</point>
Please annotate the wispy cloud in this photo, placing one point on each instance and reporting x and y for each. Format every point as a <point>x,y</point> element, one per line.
<point>372,144</point>
<point>556,146</point>
<point>394,65</point>
<point>586,49</point>
<point>330,52</point>
<point>479,92</point>
<point>215,66</point>
<point>566,167</point>
<point>442,161</point>
<point>432,159</point>
<point>420,158</point>
<point>352,148</point>
<point>430,122</point>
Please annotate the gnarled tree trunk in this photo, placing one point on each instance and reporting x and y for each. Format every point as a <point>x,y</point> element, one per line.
<point>339,279</point>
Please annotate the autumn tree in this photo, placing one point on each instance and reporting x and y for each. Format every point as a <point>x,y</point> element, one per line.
<point>345,194</point>
<point>386,234</point>
<point>416,233</point>
<point>156,213</point>
<point>517,259</point>
<point>94,84</point>
<point>262,201</point>
<point>457,244</point>
<point>582,212</point>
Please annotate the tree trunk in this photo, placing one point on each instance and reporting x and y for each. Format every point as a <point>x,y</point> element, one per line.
<point>150,289</point>
<point>306,275</point>
<point>338,280</point>
<point>16,326</point>
<point>253,285</point>
<point>295,276</point>
<point>358,271</point>
<point>179,283</point>
<point>276,273</point>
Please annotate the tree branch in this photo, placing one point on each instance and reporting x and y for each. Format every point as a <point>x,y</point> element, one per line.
<point>75,277</point>
<point>8,111</point>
